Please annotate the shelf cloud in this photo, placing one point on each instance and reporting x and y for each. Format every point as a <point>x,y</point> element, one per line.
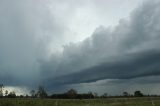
<point>35,48</point>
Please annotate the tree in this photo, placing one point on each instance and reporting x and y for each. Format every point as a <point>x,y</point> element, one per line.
<point>27,96</point>
<point>105,95</point>
<point>1,90</point>
<point>12,94</point>
<point>138,94</point>
<point>72,93</point>
<point>21,96</point>
<point>41,92</point>
<point>90,94</point>
<point>125,94</point>
<point>6,93</point>
<point>33,93</point>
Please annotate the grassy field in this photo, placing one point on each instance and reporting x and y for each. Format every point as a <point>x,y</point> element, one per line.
<point>93,102</point>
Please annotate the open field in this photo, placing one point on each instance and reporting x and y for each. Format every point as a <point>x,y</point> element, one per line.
<point>92,102</point>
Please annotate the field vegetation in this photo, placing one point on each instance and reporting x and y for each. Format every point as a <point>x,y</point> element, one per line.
<point>82,102</point>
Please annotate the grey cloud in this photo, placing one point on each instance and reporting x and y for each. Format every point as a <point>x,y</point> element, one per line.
<point>26,30</point>
<point>123,67</point>
<point>127,51</point>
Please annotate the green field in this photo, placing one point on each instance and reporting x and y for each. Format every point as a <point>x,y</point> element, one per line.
<point>92,102</point>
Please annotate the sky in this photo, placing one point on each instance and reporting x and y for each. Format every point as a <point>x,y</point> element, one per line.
<point>102,46</point>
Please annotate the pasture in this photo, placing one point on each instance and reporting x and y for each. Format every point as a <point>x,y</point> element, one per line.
<point>147,101</point>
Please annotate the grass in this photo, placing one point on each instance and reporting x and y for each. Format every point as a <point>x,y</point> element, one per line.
<point>92,102</point>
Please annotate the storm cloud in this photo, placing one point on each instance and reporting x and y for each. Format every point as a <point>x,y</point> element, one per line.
<point>127,51</point>
<point>139,65</point>
<point>26,30</point>
<point>38,47</point>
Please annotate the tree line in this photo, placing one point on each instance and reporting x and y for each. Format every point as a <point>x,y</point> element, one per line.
<point>70,94</point>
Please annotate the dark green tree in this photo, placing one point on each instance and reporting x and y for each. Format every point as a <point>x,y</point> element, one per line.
<point>6,93</point>
<point>90,94</point>
<point>41,92</point>
<point>138,94</point>
<point>125,94</point>
<point>12,94</point>
<point>72,93</point>
<point>33,93</point>
<point>1,90</point>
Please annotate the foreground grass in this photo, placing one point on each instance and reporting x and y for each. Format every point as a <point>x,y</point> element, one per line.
<point>93,102</point>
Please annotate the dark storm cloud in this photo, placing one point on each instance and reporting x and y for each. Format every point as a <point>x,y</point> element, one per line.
<point>28,28</point>
<point>127,51</point>
<point>124,67</point>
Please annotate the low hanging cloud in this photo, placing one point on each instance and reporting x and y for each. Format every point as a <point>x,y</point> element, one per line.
<point>31,36</point>
<point>125,67</point>
<point>127,51</point>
